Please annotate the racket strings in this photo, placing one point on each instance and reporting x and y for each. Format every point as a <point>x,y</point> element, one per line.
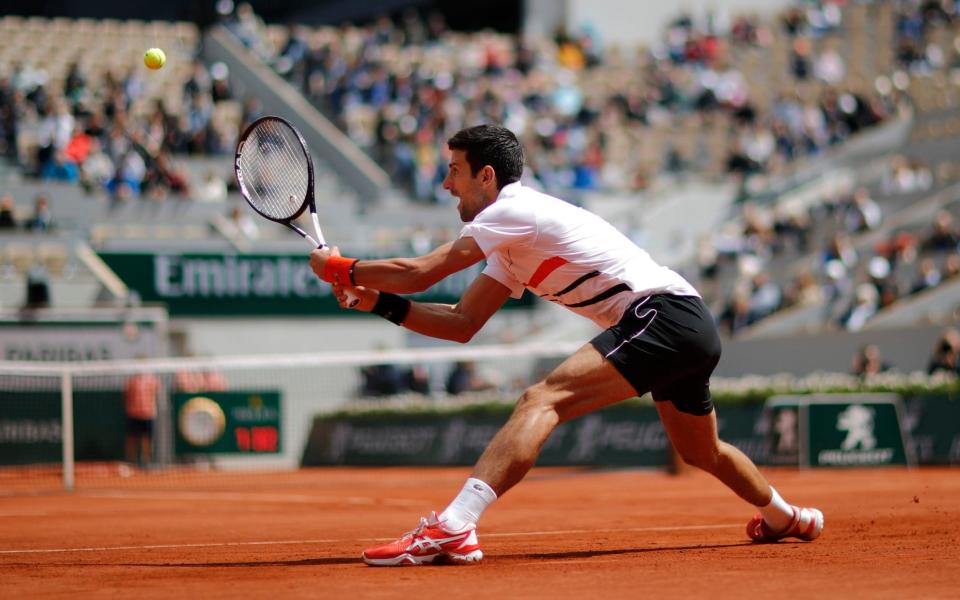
<point>275,170</point>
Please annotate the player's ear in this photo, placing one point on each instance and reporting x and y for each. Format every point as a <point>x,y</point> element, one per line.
<point>488,175</point>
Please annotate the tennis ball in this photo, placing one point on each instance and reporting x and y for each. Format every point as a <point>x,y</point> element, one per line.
<point>154,58</point>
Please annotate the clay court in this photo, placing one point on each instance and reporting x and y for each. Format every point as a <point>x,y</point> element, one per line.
<point>563,533</point>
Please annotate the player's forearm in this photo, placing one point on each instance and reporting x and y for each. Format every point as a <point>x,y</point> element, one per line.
<point>396,275</point>
<point>442,321</point>
<point>457,322</point>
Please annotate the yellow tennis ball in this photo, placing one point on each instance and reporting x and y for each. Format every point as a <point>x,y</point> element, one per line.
<point>154,58</point>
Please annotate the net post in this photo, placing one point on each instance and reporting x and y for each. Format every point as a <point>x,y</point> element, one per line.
<point>66,407</point>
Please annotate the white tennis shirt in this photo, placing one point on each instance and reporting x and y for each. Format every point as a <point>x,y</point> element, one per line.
<point>567,255</point>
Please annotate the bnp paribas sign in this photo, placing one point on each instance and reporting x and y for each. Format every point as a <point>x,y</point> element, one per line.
<point>199,284</point>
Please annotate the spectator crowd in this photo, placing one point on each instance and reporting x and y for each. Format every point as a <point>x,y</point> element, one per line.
<point>103,132</point>
<point>775,258</point>
<point>399,88</point>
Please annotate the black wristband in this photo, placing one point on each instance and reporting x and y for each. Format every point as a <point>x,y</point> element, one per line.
<point>391,307</point>
<point>353,280</point>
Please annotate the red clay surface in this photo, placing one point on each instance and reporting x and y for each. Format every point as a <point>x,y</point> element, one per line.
<point>562,533</point>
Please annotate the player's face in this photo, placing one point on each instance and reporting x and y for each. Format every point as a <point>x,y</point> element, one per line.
<point>462,184</point>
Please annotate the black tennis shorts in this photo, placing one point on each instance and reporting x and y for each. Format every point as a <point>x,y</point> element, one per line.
<point>667,345</point>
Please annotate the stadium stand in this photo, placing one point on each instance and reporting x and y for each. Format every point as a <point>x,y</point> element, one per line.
<point>773,104</point>
<point>699,101</point>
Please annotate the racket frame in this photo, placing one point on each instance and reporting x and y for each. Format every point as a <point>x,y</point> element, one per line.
<point>309,201</point>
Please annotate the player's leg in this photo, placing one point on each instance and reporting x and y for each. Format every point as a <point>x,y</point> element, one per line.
<point>583,383</point>
<point>695,438</point>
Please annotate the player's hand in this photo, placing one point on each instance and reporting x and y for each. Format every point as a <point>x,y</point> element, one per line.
<point>367,297</point>
<point>318,259</point>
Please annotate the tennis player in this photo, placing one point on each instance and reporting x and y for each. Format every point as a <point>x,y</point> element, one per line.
<point>658,337</point>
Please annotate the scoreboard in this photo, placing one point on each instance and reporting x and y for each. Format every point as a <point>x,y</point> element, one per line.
<point>236,422</point>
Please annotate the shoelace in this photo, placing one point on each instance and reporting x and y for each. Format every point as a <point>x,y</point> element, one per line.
<point>418,529</point>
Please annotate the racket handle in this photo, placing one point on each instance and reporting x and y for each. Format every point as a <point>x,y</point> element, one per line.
<point>316,226</point>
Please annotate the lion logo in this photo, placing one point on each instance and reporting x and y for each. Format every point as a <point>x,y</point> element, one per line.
<point>857,421</point>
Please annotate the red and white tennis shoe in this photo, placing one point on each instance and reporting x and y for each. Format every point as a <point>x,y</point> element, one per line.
<point>427,543</point>
<point>806,525</point>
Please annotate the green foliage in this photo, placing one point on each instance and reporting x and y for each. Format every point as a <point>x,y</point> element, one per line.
<point>739,391</point>
<point>756,390</point>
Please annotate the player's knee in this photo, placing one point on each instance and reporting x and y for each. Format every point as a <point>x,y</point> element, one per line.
<point>535,400</point>
<point>531,398</point>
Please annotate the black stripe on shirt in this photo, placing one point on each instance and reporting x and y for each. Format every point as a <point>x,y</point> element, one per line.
<point>576,283</point>
<point>620,287</point>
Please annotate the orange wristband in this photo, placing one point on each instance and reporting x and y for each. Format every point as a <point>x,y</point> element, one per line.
<point>339,269</point>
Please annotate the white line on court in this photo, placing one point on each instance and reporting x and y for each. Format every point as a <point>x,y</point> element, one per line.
<point>166,546</point>
<point>228,497</point>
<point>621,529</point>
<point>251,497</point>
<point>340,541</point>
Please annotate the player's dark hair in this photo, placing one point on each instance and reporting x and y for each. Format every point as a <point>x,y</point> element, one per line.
<point>491,145</point>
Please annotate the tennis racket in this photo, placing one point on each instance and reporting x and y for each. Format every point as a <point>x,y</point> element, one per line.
<point>275,174</point>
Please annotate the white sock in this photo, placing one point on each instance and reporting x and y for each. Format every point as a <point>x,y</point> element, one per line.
<point>469,504</point>
<point>778,513</point>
